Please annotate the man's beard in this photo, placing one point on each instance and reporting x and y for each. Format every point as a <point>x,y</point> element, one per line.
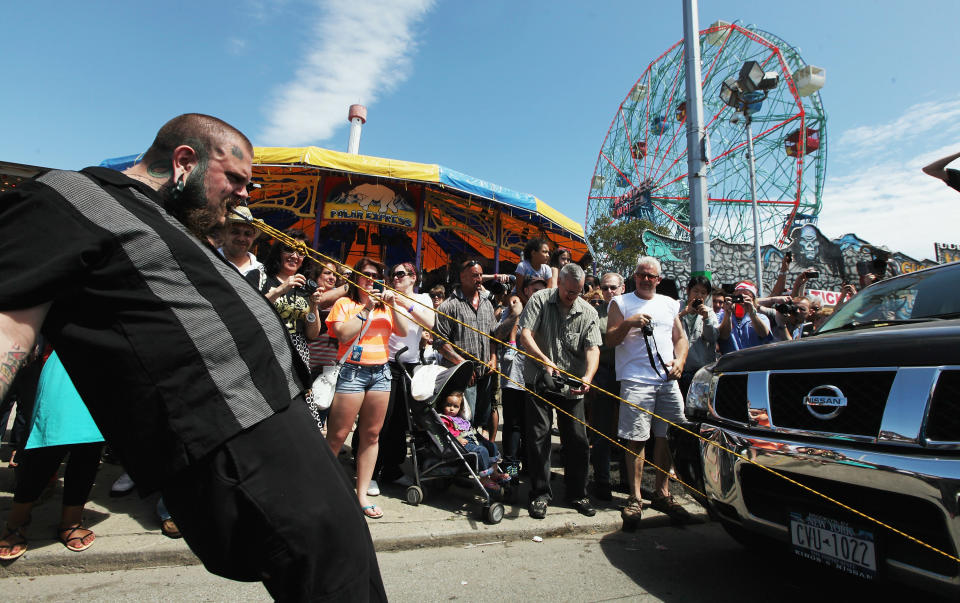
<point>190,206</point>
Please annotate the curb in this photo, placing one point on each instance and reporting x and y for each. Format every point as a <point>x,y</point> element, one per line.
<point>119,553</point>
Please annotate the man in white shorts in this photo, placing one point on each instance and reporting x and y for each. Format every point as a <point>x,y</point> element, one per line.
<point>651,348</point>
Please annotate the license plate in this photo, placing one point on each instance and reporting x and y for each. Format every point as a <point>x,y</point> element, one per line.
<point>834,543</point>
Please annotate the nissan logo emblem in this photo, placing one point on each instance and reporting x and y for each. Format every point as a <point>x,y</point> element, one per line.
<point>825,401</point>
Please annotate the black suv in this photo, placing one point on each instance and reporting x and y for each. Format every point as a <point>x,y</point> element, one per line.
<point>867,412</point>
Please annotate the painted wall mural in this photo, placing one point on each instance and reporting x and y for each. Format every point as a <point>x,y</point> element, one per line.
<point>836,260</point>
<point>369,202</point>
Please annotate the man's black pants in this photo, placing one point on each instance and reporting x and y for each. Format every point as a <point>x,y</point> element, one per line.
<point>573,436</point>
<point>273,504</point>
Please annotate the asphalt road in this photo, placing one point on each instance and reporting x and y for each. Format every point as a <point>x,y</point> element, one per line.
<point>696,563</point>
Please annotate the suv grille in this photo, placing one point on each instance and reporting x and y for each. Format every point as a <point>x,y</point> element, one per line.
<point>772,498</point>
<point>943,423</point>
<point>866,394</point>
<point>730,401</point>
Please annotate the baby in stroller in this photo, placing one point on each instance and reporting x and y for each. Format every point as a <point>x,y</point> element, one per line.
<point>451,414</point>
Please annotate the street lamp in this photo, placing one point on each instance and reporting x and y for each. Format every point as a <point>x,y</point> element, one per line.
<point>746,94</point>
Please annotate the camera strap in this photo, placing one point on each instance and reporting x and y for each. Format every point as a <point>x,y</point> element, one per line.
<point>653,350</point>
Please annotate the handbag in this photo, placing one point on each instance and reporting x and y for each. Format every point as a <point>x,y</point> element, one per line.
<point>325,385</point>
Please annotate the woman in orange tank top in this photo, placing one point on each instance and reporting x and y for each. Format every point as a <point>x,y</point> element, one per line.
<point>362,323</point>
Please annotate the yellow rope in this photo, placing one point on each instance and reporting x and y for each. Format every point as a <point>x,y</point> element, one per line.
<point>303,249</point>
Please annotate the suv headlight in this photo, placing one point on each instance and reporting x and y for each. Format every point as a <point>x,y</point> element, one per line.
<point>700,393</point>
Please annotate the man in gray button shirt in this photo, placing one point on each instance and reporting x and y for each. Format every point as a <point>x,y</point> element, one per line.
<point>560,330</point>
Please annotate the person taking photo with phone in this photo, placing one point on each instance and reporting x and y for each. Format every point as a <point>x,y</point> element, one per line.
<point>742,326</point>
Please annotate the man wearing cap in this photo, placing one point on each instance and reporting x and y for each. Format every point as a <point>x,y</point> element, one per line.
<point>742,326</point>
<point>239,236</point>
<point>651,349</point>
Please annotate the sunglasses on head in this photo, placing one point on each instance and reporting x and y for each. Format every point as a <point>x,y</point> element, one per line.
<point>469,264</point>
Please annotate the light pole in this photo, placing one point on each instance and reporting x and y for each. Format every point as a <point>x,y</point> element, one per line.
<point>696,135</point>
<point>746,94</point>
<point>753,203</point>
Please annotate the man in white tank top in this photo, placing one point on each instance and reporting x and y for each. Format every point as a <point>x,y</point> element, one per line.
<point>650,353</point>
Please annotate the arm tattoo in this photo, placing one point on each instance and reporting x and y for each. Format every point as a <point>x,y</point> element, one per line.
<point>10,363</point>
<point>159,169</point>
<point>237,152</point>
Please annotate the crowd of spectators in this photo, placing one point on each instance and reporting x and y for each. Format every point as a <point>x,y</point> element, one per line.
<point>547,320</point>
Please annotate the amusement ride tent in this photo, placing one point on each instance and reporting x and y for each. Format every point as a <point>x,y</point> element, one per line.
<point>355,205</point>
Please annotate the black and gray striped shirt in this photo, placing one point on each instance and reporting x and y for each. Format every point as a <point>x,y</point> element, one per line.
<point>172,351</point>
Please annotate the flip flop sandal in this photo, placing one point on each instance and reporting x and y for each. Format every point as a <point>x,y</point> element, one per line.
<point>22,540</point>
<point>372,511</point>
<point>66,536</point>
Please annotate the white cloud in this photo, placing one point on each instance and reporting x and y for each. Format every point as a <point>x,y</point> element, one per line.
<point>917,122</point>
<point>894,204</point>
<point>362,50</point>
<point>236,45</point>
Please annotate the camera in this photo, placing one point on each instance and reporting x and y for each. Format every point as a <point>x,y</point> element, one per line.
<point>555,384</point>
<point>697,303</point>
<point>378,286</point>
<point>813,274</point>
<point>736,298</point>
<point>309,287</point>
<point>647,330</point>
<point>786,308</point>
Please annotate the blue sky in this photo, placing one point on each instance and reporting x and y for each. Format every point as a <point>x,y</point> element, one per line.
<point>518,93</point>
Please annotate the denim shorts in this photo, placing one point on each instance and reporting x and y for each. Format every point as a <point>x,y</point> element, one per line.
<point>359,378</point>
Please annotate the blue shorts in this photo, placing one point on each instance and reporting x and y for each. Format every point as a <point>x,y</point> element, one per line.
<point>359,378</point>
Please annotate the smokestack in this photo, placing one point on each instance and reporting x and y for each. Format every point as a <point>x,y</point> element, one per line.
<point>357,117</point>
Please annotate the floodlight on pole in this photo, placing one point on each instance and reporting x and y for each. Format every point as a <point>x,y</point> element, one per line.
<point>750,76</point>
<point>730,92</point>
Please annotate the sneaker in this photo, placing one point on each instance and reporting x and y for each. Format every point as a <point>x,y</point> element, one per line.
<point>170,529</point>
<point>374,489</point>
<point>123,486</point>
<point>490,485</point>
<point>602,491</point>
<point>671,508</point>
<point>583,506</point>
<point>538,508</point>
<point>512,470</point>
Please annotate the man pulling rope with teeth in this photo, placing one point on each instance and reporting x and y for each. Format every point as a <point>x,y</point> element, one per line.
<point>186,369</point>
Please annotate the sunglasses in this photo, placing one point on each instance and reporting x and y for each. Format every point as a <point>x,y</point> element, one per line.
<point>295,252</point>
<point>401,274</point>
<point>436,296</point>
<point>609,287</point>
<point>371,275</point>
<point>647,276</point>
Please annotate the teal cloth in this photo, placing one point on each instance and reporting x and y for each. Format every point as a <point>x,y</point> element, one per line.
<point>59,415</point>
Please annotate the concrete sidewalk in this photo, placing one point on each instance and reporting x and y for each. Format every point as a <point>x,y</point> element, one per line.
<point>128,531</point>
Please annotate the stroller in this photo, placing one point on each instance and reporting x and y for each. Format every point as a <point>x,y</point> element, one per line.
<point>436,455</point>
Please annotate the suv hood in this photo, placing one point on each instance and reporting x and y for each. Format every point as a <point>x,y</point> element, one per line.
<point>917,344</point>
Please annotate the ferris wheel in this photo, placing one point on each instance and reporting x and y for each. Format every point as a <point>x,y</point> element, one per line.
<point>641,170</point>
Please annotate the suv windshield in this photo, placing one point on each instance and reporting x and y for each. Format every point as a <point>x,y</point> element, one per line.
<point>917,296</point>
